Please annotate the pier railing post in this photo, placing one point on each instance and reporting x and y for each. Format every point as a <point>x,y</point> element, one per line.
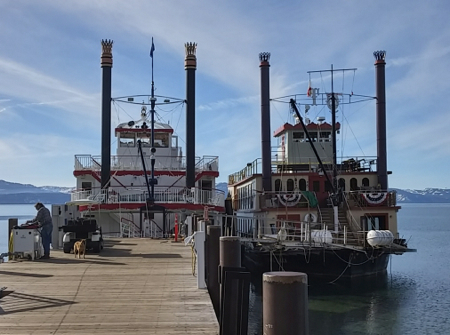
<point>199,242</point>
<point>212,266</point>
<point>285,303</point>
<point>234,288</point>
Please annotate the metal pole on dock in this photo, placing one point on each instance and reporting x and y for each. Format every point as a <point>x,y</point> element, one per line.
<point>199,241</point>
<point>212,266</point>
<point>285,303</point>
<point>230,251</point>
<point>234,288</point>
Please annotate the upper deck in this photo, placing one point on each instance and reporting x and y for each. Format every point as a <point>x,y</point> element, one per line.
<point>130,163</point>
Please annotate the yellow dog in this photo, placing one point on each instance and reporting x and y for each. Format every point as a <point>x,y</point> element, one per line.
<point>80,248</point>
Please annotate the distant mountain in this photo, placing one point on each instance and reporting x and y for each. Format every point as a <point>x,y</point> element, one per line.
<point>222,187</point>
<point>428,195</point>
<point>15,193</point>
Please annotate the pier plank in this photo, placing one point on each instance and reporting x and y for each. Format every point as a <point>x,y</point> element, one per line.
<point>134,286</point>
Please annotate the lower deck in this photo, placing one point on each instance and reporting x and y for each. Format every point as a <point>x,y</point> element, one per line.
<point>134,286</point>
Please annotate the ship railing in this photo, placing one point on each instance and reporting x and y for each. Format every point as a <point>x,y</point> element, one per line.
<point>134,163</point>
<point>292,233</point>
<point>371,197</point>
<point>291,199</point>
<point>207,163</point>
<point>88,196</point>
<point>295,164</point>
<point>163,195</point>
<point>129,229</point>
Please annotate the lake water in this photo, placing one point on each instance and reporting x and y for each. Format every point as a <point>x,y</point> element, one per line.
<point>414,298</point>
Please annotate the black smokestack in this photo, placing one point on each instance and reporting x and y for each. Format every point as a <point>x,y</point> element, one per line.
<point>265,122</point>
<point>190,64</point>
<point>106,65</point>
<point>380,84</point>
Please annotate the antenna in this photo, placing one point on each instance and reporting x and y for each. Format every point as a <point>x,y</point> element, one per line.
<point>333,103</point>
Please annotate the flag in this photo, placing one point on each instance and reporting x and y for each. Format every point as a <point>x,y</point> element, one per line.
<point>152,49</point>
<point>308,93</point>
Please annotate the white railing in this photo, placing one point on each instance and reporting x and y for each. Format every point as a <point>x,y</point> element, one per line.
<point>164,195</point>
<point>134,163</point>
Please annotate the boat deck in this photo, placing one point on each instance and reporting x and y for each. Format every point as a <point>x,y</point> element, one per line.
<point>134,286</point>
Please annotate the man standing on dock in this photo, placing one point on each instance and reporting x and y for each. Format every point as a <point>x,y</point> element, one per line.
<point>44,220</point>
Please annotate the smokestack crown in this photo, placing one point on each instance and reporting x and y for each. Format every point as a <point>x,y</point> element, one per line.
<point>191,59</point>
<point>380,56</point>
<point>106,58</point>
<point>264,58</point>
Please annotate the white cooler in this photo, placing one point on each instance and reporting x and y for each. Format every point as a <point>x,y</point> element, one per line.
<point>27,242</point>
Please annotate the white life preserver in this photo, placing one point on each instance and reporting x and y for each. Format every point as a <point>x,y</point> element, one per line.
<point>310,217</point>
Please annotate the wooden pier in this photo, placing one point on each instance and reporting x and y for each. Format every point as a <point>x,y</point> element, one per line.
<point>134,286</point>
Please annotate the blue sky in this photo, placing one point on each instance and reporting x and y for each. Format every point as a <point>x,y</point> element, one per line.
<point>50,77</point>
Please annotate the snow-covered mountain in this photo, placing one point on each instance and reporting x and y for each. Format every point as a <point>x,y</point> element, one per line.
<point>223,187</point>
<point>15,193</point>
<point>428,195</point>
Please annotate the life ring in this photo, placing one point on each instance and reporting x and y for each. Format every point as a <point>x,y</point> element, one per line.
<point>310,217</point>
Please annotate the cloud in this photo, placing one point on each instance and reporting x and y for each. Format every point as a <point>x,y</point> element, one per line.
<point>51,79</point>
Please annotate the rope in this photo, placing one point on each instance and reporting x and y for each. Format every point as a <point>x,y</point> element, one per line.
<point>11,243</point>
<point>276,259</point>
<point>333,281</point>
<point>194,258</point>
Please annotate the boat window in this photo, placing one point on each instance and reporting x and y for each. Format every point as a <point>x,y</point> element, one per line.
<point>127,140</point>
<point>86,185</point>
<point>298,135</point>
<point>162,140</point>
<point>365,182</point>
<point>316,186</point>
<point>302,184</point>
<point>278,186</point>
<point>353,184</point>
<point>290,185</point>
<point>145,139</point>
<point>313,136</point>
<point>325,136</point>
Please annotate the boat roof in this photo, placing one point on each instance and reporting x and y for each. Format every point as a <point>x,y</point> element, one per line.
<point>143,126</point>
<point>311,126</point>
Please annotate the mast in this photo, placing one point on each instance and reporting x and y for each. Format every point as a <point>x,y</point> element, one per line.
<point>153,181</point>
<point>333,108</point>
<point>294,107</point>
<point>333,129</point>
<point>335,198</point>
